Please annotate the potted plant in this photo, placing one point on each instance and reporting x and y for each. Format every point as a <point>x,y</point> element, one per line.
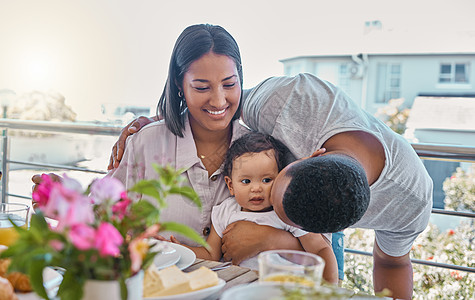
<point>101,234</point>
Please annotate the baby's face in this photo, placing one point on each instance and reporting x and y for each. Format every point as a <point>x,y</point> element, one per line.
<point>251,180</point>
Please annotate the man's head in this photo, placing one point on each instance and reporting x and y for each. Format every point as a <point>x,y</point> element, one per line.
<point>321,194</point>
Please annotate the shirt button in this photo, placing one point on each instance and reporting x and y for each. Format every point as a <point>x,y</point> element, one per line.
<point>206,231</point>
<point>214,177</point>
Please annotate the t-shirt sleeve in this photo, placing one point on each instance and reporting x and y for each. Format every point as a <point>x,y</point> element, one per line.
<point>296,231</point>
<point>219,217</point>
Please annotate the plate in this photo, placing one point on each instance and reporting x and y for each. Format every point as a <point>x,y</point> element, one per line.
<point>187,257</point>
<point>164,260</point>
<point>196,295</point>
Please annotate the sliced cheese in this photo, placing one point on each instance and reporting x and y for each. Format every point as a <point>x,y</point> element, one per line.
<point>202,278</point>
<point>166,282</point>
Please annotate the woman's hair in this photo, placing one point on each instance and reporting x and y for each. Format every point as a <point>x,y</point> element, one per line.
<point>194,42</point>
<point>326,193</point>
<point>255,142</point>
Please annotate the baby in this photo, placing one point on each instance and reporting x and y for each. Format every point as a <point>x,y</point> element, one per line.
<point>252,163</point>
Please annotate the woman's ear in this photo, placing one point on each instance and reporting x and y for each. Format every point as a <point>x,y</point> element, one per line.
<point>229,183</point>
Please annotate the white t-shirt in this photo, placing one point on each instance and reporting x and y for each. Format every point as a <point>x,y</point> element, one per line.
<point>304,112</point>
<point>229,211</point>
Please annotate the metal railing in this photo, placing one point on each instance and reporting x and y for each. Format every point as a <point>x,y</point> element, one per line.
<point>425,151</point>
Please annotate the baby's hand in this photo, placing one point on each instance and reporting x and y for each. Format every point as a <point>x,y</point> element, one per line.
<point>174,240</point>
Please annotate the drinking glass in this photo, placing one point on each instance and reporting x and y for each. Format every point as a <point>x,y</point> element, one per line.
<point>16,212</point>
<point>291,267</point>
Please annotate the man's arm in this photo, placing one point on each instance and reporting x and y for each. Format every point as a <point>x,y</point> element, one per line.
<point>119,146</point>
<point>393,273</point>
<point>243,239</point>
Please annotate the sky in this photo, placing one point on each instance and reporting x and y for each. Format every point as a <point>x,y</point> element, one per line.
<point>97,52</point>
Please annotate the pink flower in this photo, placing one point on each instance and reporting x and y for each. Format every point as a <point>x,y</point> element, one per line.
<point>56,245</point>
<point>42,192</point>
<point>108,240</point>
<point>68,207</point>
<point>106,189</point>
<point>82,236</point>
<point>120,208</point>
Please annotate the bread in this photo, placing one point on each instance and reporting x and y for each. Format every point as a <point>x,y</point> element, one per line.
<point>172,281</point>
<point>19,281</point>
<point>6,290</point>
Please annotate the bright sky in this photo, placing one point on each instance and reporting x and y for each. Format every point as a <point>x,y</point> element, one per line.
<point>117,51</point>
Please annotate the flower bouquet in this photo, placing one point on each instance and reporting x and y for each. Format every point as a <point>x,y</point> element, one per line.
<point>100,233</point>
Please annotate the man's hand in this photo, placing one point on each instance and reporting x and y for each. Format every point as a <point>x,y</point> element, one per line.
<point>243,239</point>
<point>119,146</point>
<point>393,273</point>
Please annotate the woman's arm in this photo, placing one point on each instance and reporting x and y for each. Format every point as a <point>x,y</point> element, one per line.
<point>243,239</point>
<point>317,244</point>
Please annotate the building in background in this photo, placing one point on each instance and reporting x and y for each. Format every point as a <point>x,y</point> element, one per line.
<point>372,79</point>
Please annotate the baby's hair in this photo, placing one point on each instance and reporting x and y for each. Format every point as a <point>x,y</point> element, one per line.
<point>255,142</point>
<point>326,193</point>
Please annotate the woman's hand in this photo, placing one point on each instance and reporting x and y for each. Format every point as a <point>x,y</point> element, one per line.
<point>37,179</point>
<point>243,239</point>
<point>119,146</point>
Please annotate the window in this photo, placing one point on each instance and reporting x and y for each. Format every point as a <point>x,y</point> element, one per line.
<point>388,82</point>
<point>344,77</point>
<point>454,73</point>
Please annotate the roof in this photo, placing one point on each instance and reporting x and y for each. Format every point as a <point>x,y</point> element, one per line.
<point>448,113</point>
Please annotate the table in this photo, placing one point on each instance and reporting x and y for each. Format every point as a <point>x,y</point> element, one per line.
<point>233,275</point>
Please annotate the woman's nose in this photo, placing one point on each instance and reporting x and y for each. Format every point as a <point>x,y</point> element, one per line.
<point>218,98</point>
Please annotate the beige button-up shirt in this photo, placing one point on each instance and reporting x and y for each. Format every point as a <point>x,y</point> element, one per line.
<point>156,144</point>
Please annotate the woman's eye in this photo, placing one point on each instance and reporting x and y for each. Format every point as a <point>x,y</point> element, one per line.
<point>245,181</point>
<point>267,180</point>
<point>229,85</point>
<point>201,88</point>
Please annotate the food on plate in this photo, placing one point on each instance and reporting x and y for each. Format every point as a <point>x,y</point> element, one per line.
<point>172,281</point>
<point>6,290</point>
<point>19,281</point>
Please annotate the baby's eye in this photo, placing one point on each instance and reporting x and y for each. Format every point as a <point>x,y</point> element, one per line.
<point>267,180</point>
<point>246,181</point>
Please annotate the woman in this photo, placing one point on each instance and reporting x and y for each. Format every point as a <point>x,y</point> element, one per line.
<point>200,107</point>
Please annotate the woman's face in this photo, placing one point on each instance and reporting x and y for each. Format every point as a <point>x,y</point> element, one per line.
<point>212,91</point>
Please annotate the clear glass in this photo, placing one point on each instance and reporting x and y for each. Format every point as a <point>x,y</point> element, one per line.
<point>16,212</point>
<point>291,267</point>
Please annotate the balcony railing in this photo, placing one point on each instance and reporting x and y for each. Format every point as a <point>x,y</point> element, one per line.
<point>425,151</point>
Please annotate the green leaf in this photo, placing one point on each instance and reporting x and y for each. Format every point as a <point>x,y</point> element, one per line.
<point>185,231</point>
<point>150,188</point>
<point>188,192</point>
<point>71,287</point>
<point>36,277</point>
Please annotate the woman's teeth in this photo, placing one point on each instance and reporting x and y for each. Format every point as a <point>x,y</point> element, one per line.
<point>216,112</point>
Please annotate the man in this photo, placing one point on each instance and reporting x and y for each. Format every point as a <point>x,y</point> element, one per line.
<point>307,114</point>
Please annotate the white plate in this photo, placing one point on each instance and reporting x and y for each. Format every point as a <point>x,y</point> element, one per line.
<point>269,290</point>
<point>163,260</point>
<point>187,257</point>
<point>196,295</point>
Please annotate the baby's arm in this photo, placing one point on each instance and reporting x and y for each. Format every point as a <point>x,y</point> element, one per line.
<point>211,253</point>
<point>317,244</point>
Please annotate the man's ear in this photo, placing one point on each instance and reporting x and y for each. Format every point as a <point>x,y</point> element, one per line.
<point>318,152</point>
<point>229,183</point>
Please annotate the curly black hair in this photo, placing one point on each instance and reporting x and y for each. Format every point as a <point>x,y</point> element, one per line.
<point>255,142</point>
<point>326,193</point>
